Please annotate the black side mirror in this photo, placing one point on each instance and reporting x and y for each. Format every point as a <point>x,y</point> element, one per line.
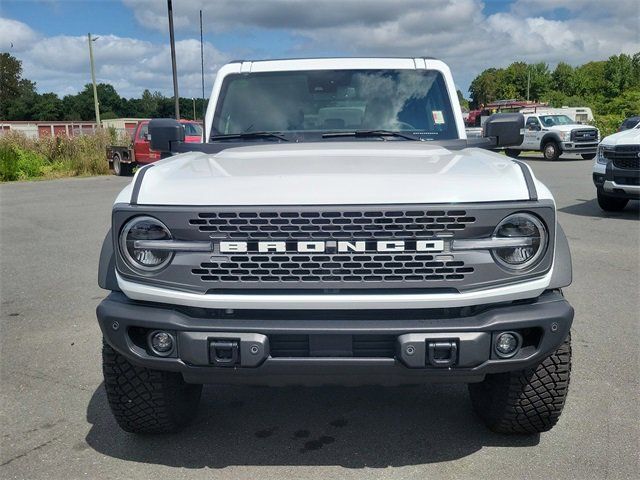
<point>164,132</point>
<point>506,128</point>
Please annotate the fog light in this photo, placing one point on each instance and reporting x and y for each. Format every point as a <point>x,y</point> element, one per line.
<point>161,343</point>
<point>507,345</point>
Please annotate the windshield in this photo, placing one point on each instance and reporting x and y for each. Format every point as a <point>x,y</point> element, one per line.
<point>551,120</point>
<point>309,103</point>
<point>192,129</point>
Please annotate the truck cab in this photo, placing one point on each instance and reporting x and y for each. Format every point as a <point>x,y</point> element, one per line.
<point>335,227</point>
<point>124,159</point>
<point>554,134</point>
<point>616,171</point>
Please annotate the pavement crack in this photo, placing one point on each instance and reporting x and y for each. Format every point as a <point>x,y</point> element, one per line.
<point>31,450</point>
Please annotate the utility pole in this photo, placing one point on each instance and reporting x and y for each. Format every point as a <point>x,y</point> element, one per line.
<point>194,108</point>
<point>204,103</point>
<point>172,40</point>
<point>528,81</point>
<point>93,79</point>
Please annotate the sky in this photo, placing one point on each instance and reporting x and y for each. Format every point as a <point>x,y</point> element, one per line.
<point>132,51</point>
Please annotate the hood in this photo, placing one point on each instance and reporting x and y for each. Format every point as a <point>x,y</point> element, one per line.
<point>391,172</point>
<point>626,137</point>
<point>569,127</point>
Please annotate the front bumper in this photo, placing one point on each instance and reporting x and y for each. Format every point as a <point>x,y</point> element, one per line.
<point>578,147</point>
<point>617,182</point>
<point>331,338</point>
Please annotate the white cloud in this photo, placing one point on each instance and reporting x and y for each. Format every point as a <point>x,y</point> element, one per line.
<point>61,63</point>
<point>457,31</point>
<point>15,37</point>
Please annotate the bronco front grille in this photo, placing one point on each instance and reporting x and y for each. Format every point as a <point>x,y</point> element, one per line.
<point>328,225</point>
<point>624,156</point>
<point>397,267</point>
<point>590,135</point>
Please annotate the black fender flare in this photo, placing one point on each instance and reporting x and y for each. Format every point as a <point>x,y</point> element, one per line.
<point>107,265</point>
<point>550,136</point>
<point>562,275</point>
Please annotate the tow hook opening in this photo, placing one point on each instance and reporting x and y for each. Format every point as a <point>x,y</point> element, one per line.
<point>224,353</point>
<point>442,354</point>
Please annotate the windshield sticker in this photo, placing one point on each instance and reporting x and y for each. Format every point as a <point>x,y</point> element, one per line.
<point>438,118</point>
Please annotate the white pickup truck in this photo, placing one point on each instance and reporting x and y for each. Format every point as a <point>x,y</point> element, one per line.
<point>336,227</point>
<point>616,171</point>
<point>554,134</point>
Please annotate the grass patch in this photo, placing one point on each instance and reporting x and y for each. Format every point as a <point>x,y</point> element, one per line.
<point>23,158</point>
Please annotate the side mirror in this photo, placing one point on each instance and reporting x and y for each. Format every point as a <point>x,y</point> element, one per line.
<point>506,128</point>
<point>163,132</point>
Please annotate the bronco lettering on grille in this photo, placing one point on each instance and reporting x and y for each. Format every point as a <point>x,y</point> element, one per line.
<point>335,246</point>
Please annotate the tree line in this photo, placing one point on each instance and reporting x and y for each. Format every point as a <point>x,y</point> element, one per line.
<point>610,87</point>
<point>19,100</point>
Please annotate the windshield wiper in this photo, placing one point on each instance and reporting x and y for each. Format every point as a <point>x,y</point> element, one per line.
<point>244,135</point>
<point>372,133</point>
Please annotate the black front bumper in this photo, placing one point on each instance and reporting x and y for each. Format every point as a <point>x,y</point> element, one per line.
<point>618,182</point>
<point>347,348</point>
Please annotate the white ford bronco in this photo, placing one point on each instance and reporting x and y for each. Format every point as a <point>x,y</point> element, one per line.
<point>616,171</point>
<point>336,227</point>
<point>554,134</point>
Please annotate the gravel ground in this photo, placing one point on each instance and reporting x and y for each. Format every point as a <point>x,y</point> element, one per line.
<point>56,423</point>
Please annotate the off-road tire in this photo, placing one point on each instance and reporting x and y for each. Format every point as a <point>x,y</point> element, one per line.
<point>510,152</point>
<point>611,204</point>
<point>526,401</point>
<point>551,151</point>
<point>588,156</point>
<point>119,168</point>
<point>144,400</point>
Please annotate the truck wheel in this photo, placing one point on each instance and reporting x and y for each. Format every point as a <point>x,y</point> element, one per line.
<point>526,401</point>
<point>144,400</point>
<point>551,151</point>
<point>588,156</point>
<point>512,153</point>
<point>119,168</point>
<point>611,204</point>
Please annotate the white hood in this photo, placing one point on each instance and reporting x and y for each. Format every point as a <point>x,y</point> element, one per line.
<point>392,172</point>
<point>626,137</point>
<point>569,127</point>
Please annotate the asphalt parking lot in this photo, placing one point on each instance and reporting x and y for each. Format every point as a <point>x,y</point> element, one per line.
<point>56,423</point>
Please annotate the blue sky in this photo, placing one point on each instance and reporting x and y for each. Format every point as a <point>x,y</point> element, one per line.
<point>49,36</point>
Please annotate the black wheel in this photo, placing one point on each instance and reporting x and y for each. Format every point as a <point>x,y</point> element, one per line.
<point>526,401</point>
<point>512,153</point>
<point>119,168</point>
<point>144,400</point>
<point>551,151</point>
<point>588,156</point>
<point>611,204</point>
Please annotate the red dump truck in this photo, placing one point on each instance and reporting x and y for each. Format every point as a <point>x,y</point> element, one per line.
<point>124,158</point>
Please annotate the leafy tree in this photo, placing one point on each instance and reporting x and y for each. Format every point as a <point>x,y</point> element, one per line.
<point>563,79</point>
<point>10,77</point>
<point>618,74</point>
<point>464,103</point>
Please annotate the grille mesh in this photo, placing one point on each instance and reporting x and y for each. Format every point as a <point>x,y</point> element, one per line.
<point>590,135</point>
<point>327,225</point>
<point>280,267</point>
<point>624,156</point>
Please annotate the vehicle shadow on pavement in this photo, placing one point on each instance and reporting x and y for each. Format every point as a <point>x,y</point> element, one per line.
<point>349,427</point>
<point>590,208</point>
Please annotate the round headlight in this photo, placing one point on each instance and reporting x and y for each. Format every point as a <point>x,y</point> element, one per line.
<point>534,235</point>
<point>144,260</point>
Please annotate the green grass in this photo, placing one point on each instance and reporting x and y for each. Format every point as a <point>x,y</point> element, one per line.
<point>23,158</point>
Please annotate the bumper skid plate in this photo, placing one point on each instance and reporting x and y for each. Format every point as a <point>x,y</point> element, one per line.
<point>341,349</point>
